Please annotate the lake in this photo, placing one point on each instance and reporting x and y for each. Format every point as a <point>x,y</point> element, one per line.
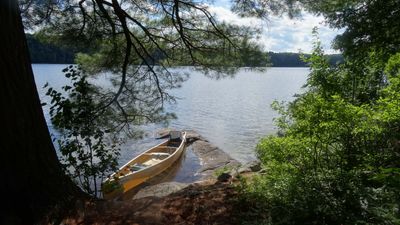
<point>232,113</point>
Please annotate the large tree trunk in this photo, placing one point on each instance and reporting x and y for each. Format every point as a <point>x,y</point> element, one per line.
<point>32,182</point>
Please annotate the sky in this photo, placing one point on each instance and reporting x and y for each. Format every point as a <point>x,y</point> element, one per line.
<point>280,33</point>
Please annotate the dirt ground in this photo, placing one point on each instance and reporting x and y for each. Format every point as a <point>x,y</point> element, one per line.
<point>206,203</point>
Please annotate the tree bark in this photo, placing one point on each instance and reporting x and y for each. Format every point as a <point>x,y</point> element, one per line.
<point>32,181</point>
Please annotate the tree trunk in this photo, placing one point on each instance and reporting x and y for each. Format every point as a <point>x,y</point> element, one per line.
<point>32,182</point>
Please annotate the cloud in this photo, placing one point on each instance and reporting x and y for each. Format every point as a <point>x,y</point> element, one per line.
<point>223,14</point>
<point>282,34</point>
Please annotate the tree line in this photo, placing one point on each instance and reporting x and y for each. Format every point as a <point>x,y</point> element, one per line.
<point>48,53</point>
<point>42,52</point>
<point>290,59</point>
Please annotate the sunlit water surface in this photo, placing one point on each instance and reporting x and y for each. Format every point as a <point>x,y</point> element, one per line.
<point>232,113</point>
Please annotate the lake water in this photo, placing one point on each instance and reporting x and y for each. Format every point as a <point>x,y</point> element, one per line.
<point>232,113</point>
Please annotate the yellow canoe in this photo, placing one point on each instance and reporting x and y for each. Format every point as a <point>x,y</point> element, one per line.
<point>146,165</point>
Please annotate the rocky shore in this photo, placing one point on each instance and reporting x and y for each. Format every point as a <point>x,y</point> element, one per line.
<point>216,165</point>
<point>211,157</point>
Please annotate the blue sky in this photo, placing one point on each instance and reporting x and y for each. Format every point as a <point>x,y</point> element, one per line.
<point>281,34</point>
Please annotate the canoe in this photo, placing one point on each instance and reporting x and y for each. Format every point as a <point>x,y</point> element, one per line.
<point>146,165</point>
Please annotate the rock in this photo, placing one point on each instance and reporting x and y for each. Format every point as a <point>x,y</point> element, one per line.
<point>262,171</point>
<point>224,177</point>
<point>253,166</point>
<point>163,133</point>
<point>244,170</point>
<point>160,190</point>
<point>234,171</point>
<point>192,136</point>
<point>212,158</point>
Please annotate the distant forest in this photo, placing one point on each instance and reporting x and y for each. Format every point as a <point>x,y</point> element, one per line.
<point>288,59</point>
<point>47,53</point>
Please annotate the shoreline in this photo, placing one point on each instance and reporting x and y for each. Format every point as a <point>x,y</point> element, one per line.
<point>211,160</point>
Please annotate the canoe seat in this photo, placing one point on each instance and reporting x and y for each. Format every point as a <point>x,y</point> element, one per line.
<point>136,167</point>
<point>158,155</point>
<point>152,162</point>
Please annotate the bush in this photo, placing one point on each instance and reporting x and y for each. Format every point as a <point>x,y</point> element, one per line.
<point>337,159</point>
<point>88,151</point>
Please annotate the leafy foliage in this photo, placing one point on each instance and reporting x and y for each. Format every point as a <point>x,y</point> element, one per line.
<point>88,151</point>
<point>337,158</point>
<point>370,25</point>
<point>142,33</point>
<point>265,8</point>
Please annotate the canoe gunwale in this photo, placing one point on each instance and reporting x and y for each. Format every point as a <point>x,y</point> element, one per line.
<point>129,175</point>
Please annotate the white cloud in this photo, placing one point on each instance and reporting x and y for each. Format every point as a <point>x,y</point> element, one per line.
<point>282,34</point>
<point>225,15</point>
